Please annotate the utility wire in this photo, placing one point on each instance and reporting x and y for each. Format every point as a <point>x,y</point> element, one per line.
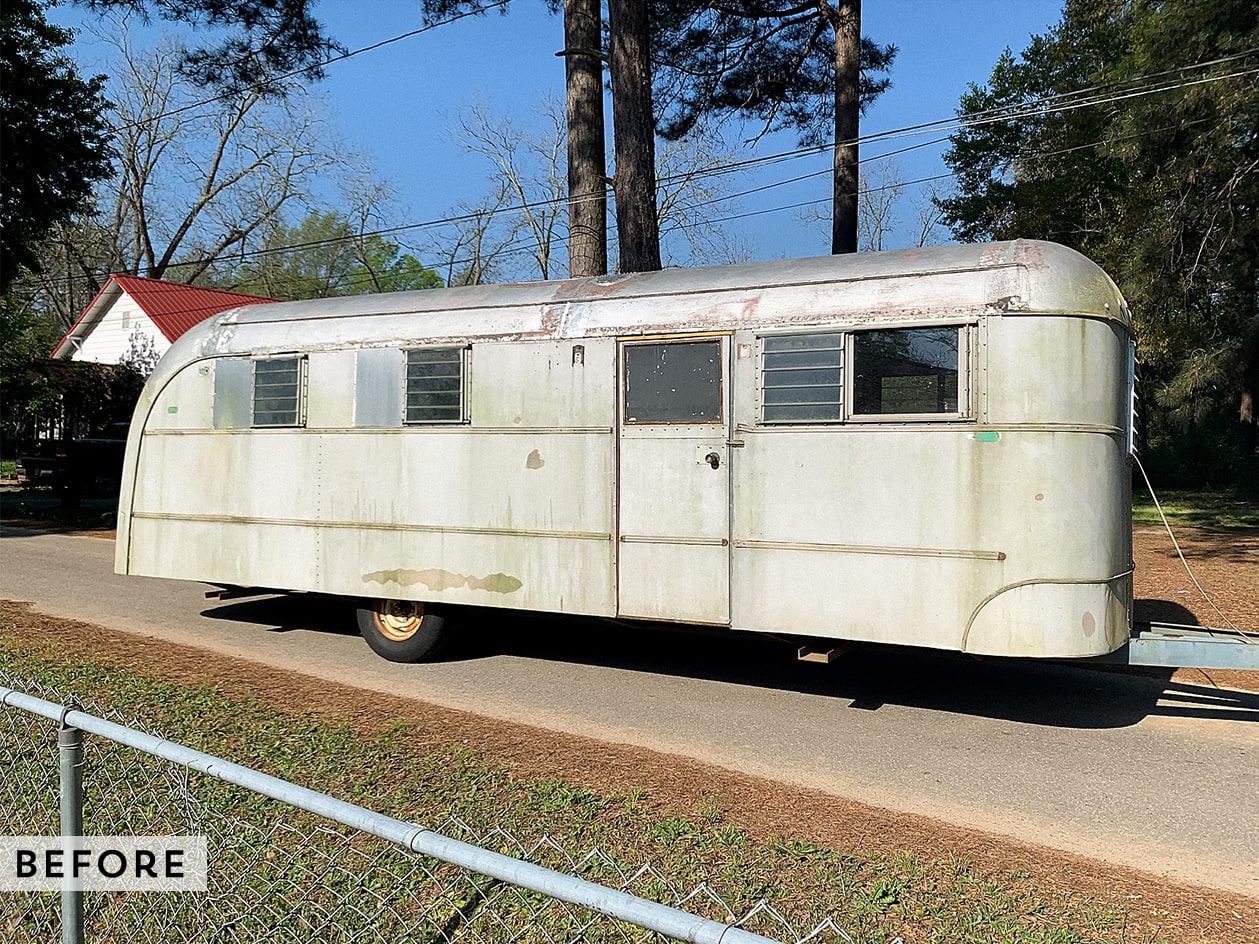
<point>267,83</point>
<point>555,202</point>
<point>1038,108</point>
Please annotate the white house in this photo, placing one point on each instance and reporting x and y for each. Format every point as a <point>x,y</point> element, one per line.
<point>138,319</point>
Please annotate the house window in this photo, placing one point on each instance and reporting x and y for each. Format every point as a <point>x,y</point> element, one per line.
<point>673,382</point>
<point>279,387</point>
<point>434,385</point>
<point>907,372</point>
<point>802,378</point>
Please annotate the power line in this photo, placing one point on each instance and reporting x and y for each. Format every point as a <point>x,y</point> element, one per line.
<point>1121,91</point>
<point>555,202</point>
<point>267,83</point>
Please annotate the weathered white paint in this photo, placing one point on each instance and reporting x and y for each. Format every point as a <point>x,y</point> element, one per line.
<point>1004,532</point>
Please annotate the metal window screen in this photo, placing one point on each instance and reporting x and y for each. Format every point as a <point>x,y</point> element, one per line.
<point>801,378</point>
<point>677,382</point>
<point>434,385</point>
<point>906,371</point>
<point>277,393</point>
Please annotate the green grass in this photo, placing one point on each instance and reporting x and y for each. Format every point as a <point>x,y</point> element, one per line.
<point>283,887</point>
<point>1198,509</point>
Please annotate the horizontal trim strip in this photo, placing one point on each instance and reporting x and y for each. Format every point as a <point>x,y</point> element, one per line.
<point>446,429</point>
<point>372,526</point>
<point>942,424</point>
<point>670,539</point>
<point>873,549</point>
<point>865,425</point>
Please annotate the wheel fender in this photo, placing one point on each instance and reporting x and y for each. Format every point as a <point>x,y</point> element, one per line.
<point>1052,619</point>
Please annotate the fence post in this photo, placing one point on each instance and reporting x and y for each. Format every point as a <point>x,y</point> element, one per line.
<point>70,747</point>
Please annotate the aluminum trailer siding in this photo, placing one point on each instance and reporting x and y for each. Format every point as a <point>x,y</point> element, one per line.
<point>926,447</point>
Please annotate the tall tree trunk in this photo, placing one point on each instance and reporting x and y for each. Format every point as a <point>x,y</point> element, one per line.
<point>587,166</point>
<point>634,135</point>
<point>845,17</point>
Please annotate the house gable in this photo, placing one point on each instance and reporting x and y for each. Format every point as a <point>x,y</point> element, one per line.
<point>131,315</point>
<point>122,329</point>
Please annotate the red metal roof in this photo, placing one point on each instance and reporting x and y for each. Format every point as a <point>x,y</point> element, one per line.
<point>173,307</point>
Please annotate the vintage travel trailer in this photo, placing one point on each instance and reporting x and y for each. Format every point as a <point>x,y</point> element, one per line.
<point>925,447</point>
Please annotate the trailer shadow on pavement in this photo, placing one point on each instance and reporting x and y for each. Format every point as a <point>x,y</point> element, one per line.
<point>287,613</point>
<point>867,677</point>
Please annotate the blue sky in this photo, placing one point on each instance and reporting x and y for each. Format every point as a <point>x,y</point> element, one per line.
<point>398,102</point>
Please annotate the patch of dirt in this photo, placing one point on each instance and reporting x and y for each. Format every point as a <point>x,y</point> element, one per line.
<point>1155,907</point>
<point>1226,564</point>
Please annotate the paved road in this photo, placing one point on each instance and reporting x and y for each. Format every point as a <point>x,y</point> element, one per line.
<point>1135,770</point>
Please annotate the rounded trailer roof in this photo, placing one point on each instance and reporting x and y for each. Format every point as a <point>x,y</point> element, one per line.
<point>942,282</point>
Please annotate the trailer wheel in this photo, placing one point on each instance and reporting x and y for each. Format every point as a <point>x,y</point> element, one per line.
<point>401,630</point>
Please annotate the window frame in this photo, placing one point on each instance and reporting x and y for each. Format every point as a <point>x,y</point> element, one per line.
<point>721,340</point>
<point>462,419</point>
<point>847,341</point>
<point>842,336</point>
<point>299,420</point>
<point>964,412</point>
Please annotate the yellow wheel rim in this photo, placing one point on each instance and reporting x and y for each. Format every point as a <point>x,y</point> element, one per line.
<point>398,620</point>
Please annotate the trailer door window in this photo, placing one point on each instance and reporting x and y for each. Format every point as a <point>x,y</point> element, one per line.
<point>908,371</point>
<point>278,390</point>
<point>801,378</point>
<point>674,382</point>
<point>434,385</point>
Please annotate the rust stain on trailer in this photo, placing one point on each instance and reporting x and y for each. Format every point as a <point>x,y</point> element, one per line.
<point>552,317</point>
<point>436,579</point>
<point>1088,625</point>
<point>535,460</point>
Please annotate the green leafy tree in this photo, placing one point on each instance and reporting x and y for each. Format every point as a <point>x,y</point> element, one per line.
<point>1131,132</point>
<point>52,133</point>
<point>25,340</point>
<point>323,257</point>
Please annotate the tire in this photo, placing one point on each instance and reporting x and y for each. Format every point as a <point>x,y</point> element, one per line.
<point>401,630</point>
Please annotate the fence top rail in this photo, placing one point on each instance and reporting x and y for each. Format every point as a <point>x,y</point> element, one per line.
<point>653,916</point>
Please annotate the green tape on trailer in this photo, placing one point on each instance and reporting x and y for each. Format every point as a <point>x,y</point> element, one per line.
<point>987,436</point>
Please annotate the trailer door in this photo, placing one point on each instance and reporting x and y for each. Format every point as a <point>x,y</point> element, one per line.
<point>673,484</point>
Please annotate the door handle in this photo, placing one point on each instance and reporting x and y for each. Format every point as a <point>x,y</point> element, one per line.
<point>713,459</point>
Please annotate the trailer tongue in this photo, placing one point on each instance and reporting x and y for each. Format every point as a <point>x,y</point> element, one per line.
<point>1179,646</point>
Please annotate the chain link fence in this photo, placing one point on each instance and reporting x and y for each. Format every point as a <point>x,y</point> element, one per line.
<point>282,873</point>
